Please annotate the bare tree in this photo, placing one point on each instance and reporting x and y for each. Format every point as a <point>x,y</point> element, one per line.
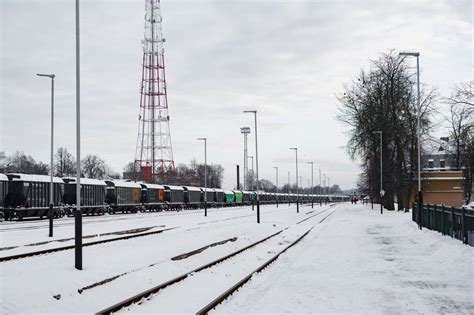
<point>64,163</point>
<point>383,99</point>
<point>22,163</point>
<point>463,95</point>
<point>461,124</point>
<point>93,167</point>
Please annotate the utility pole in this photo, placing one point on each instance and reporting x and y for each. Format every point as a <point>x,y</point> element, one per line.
<point>297,192</point>
<point>320,190</point>
<point>78,214</point>
<point>205,174</point>
<point>245,131</point>
<point>312,184</point>
<point>51,185</point>
<point>289,188</point>
<point>381,171</point>
<point>418,131</point>
<point>256,161</point>
<point>276,169</point>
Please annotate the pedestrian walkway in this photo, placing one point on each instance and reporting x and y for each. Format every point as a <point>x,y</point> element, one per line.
<point>365,262</point>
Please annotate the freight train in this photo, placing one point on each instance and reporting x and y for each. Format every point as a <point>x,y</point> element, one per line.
<point>27,196</point>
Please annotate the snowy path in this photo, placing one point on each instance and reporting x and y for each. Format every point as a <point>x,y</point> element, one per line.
<point>356,261</point>
<point>364,262</point>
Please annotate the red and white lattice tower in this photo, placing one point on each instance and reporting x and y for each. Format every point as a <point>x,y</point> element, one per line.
<point>154,152</point>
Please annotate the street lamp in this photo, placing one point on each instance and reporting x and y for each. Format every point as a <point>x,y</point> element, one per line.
<point>381,170</point>
<point>297,193</point>
<point>418,128</point>
<point>78,214</point>
<point>51,194</point>
<point>256,161</point>
<point>289,188</point>
<point>276,169</point>
<point>245,131</point>
<point>320,189</point>
<point>253,174</point>
<point>205,175</point>
<point>312,184</point>
<point>252,182</point>
<point>324,185</point>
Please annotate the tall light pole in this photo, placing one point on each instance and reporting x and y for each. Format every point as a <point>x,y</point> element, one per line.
<point>245,131</point>
<point>381,170</point>
<point>297,193</point>
<point>289,188</point>
<point>276,169</point>
<point>324,185</point>
<point>320,189</point>
<point>205,175</point>
<point>418,128</point>
<point>312,184</point>
<point>256,161</point>
<point>252,185</point>
<point>253,173</point>
<point>329,186</point>
<point>78,214</point>
<point>51,194</point>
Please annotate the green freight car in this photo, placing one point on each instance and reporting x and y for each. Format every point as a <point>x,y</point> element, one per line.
<point>229,197</point>
<point>238,197</point>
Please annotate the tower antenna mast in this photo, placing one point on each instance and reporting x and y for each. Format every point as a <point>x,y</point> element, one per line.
<point>154,151</point>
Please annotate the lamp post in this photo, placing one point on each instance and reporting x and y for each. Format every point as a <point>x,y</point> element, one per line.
<point>276,169</point>
<point>289,188</point>
<point>205,174</point>
<point>418,128</point>
<point>51,190</point>
<point>320,190</point>
<point>256,161</point>
<point>329,186</point>
<point>312,184</point>
<point>381,170</point>
<point>253,173</point>
<point>324,185</point>
<point>297,193</point>
<point>245,131</point>
<point>252,185</point>
<point>78,214</point>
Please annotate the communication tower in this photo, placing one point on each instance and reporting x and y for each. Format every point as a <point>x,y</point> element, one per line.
<point>154,152</point>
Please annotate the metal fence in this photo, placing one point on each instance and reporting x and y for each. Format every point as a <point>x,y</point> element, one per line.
<point>457,222</point>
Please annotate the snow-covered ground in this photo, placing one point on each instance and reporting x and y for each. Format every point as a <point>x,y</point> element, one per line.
<point>355,261</point>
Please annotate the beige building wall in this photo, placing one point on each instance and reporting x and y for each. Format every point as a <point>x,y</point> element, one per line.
<point>442,188</point>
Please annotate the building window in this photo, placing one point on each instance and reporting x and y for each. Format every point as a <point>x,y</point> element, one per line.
<point>430,163</point>
<point>442,164</point>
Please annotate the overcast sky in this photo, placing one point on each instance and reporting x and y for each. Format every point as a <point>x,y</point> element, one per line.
<point>287,59</point>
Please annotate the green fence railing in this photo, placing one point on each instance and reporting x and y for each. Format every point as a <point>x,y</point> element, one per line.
<point>456,222</point>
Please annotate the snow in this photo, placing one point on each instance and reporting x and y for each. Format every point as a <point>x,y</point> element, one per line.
<point>121,183</point>
<point>85,181</point>
<point>34,178</point>
<point>364,262</point>
<point>355,261</point>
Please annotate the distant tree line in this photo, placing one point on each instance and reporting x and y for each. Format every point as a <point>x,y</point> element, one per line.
<point>92,166</point>
<point>191,174</point>
<point>269,186</point>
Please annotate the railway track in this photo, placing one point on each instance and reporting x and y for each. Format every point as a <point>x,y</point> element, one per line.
<point>106,218</point>
<point>63,248</point>
<point>206,273</point>
<point>61,240</point>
